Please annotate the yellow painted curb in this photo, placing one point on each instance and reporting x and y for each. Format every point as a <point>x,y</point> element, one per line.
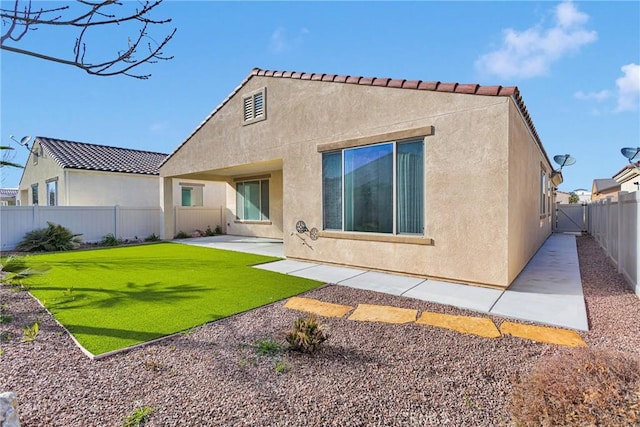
<point>383,313</point>
<point>320,308</point>
<point>480,326</point>
<point>543,334</point>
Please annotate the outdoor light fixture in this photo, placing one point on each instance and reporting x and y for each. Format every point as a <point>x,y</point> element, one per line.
<point>24,141</point>
<point>632,154</point>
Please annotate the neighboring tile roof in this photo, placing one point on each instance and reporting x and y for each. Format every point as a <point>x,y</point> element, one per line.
<point>8,192</point>
<point>80,155</point>
<point>600,185</point>
<point>435,86</point>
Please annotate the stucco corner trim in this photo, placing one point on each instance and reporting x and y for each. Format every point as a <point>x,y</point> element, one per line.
<point>373,237</point>
<point>374,139</point>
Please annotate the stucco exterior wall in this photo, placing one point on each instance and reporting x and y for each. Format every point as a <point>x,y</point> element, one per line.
<point>213,193</point>
<point>528,228</point>
<point>39,173</point>
<point>94,188</point>
<point>467,173</point>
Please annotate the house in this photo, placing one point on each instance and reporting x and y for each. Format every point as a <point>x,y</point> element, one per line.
<point>562,197</point>
<point>68,173</point>
<point>584,195</point>
<point>8,196</point>
<point>375,173</point>
<point>628,177</point>
<point>603,188</point>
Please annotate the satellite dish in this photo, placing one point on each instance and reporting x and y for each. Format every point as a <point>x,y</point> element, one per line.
<point>25,140</point>
<point>564,160</point>
<point>631,153</point>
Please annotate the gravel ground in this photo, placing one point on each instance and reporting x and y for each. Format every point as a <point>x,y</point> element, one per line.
<point>367,374</point>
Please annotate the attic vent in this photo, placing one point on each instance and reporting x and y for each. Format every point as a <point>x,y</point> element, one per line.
<point>254,107</point>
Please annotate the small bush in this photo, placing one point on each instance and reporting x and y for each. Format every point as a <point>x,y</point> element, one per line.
<point>218,230</point>
<point>138,416</point>
<point>13,269</point>
<point>152,238</point>
<point>579,387</point>
<point>209,231</point>
<point>267,347</point>
<point>181,235</point>
<point>53,238</point>
<point>307,335</point>
<point>110,240</point>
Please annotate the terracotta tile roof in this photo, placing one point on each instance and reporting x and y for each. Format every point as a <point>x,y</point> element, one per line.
<point>80,155</point>
<point>435,86</point>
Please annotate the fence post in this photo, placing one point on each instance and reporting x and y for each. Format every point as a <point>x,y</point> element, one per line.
<point>116,213</point>
<point>621,236</point>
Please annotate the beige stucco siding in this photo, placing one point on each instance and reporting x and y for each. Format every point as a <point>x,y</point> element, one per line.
<point>466,205</point>
<point>528,229</point>
<point>39,173</point>
<point>95,188</point>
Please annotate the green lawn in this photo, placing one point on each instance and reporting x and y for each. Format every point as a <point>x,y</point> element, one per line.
<point>114,298</point>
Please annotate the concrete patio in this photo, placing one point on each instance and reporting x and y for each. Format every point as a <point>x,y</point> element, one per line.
<point>548,291</point>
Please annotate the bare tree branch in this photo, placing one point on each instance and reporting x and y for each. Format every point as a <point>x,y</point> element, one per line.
<point>22,18</point>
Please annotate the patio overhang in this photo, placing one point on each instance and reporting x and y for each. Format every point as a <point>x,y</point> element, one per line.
<point>223,174</point>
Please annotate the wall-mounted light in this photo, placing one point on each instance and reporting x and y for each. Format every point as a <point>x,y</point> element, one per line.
<point>24,141</point>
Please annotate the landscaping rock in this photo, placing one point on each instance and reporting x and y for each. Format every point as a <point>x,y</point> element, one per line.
<point>9,410</point>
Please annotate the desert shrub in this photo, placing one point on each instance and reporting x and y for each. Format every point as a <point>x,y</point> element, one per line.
<point>579,387</point>
<point>110,240</point>
<point>13,269</point>
<point>307,335</point>
<point>53,238</point>
<point>181,235</point>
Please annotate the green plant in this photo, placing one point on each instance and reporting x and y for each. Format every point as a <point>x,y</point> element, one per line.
<point>209,231</point>
<point>139,416</point>
<point>53,238</point>
<point>268,346</point>
<point>5,336</point>
<point>217,230</point>
<point>282,366</point>
<point>181,235</point>
<point>1,352</point>
<point>307,335</point>
<point>13,269</point>
<point>581,386</point>
<point>151,238</point>
<point>110,240</point>
<point>30,332</point>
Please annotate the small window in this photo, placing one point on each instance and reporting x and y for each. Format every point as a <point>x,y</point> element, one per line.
<point>191,194</point>
<point>52,192</point>
<point>34,194</point>
<point>255,107</point>
<point>543,192</point>
<point>252,200</point>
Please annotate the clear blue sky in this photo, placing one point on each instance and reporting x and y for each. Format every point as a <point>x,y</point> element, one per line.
<point>577,65</point>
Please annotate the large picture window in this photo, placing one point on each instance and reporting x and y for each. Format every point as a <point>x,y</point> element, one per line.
<point>252,200</point>
<point>376,188</point>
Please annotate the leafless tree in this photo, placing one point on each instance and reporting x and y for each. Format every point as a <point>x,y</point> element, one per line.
<point>83,16</point>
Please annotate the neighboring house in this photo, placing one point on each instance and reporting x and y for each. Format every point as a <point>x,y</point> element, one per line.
<point>69,173</point>
<point>379,171</point>
<point>628,177</point>
<point>584,195</point>
<point>8,196</point>
<point>562,197</point>
<point>603,188</point>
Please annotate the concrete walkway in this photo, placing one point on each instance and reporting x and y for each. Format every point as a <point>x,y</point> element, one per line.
<point>547,291</point>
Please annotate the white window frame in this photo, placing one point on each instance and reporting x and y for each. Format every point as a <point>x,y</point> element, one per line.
<point>53,182</point>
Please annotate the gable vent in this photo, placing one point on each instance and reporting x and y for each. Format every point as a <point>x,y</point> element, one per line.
<point>254,106</point>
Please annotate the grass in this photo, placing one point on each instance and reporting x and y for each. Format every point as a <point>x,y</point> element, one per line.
<point>114,298</point>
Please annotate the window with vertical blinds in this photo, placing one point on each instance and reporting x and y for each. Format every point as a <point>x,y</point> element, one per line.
<point>376,188</point>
